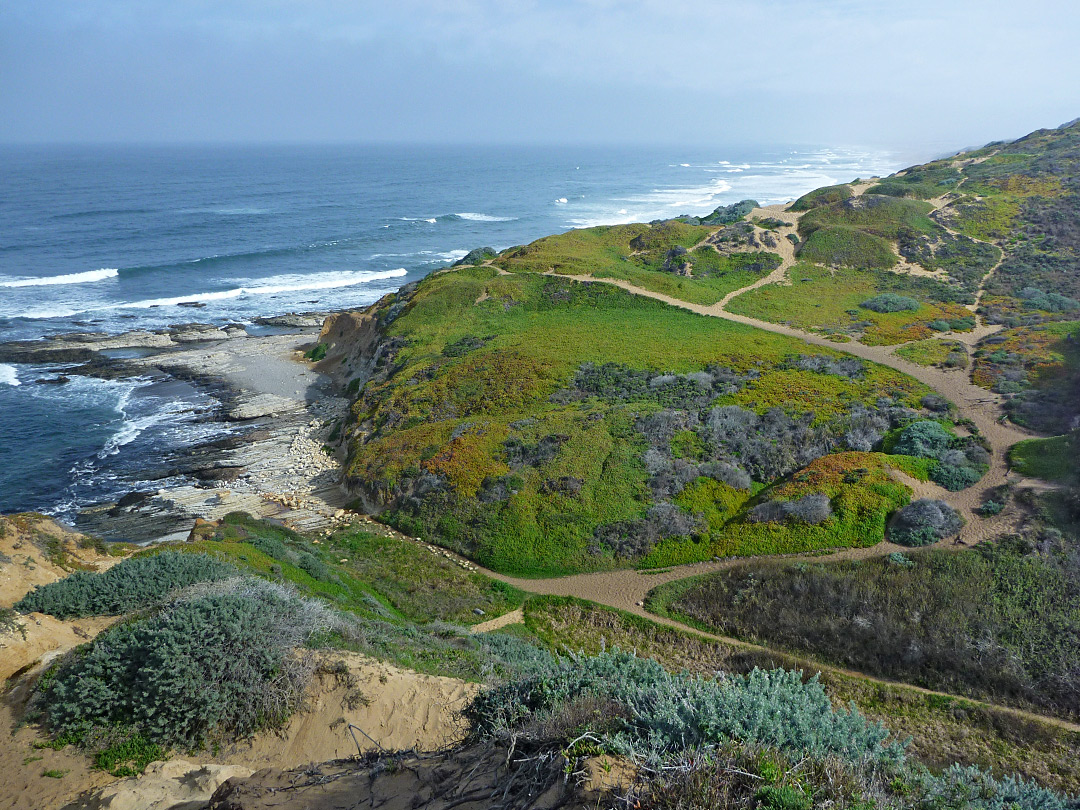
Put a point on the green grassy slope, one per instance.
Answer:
(513, 421)
(669, 257)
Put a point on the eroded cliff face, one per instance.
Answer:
(360, 353)
(350, 339)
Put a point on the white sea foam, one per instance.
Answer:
(561, 201)
(275, 285)
(71, 278)
(8, 375)
(443, 256)
(483, 217)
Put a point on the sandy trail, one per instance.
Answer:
(627, 590)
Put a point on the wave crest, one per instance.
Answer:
(71, 278)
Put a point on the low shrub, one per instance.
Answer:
(973, 788)
(822, 196)
(997, 621)
(135, 583)
(1034, 298)
(847, 247)
(812, 509)
(220, 662)
(727, 214)
(925, 438)
(958, 463)
(924, 522)
(655, 714)
(890, 302)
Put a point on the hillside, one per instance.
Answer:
(773, 508)
(595, 400)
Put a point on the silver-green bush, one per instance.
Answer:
(135, 583)
(218, 662)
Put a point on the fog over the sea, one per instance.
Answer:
(915, 75)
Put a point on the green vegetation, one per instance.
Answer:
(935, 352)
(728, 214)
(359, 572)
(855, 495)
(316, 352)
(661, 257)
(882, 216)
(221, 658)
(1037, 369)
(827, 195)
(1022, 196)
(859, 232)
(422, 586)
(539, 460)
(999, 621)
(847, 247)
(941, 730)
(920, 182)
(660, 714)
(891, 302)
(476, 256)
(132, 584)
(956, 464)
(830, 301)
(1053, 459)
(761, 740)
(217, 665)
(925, 522)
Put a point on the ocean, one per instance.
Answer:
(107, 239)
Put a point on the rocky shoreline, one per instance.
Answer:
(276, 409)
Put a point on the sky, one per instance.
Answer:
(908, 75)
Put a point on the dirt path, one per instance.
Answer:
(627, 590)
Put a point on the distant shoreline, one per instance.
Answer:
(278, 406)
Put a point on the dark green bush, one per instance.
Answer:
(135, 583)
(476, 256)
(890, 302)
(954, 477)
(924, 522)
(924, 438)
(826, 195)
(960, 462)
(215, 665)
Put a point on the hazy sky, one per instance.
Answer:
(902, 74)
